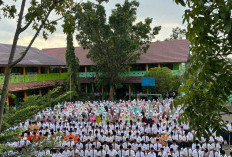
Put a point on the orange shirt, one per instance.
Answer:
(41, 137)
(70, 136)
(35, 138)
(37, 127)
(29, 137)
(164, 139)
(76, 139)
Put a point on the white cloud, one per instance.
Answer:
(56, 40)
(171, 25)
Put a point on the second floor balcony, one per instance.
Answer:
(61, 76)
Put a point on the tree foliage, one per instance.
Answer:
(165, 80)
(72, 62)
(113, 42)
(33, 105)
(37, 17)
(209, 74)
(177, 34)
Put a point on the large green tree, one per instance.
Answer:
(115, 42)
(165, 80)
(37, 17)
(209, 73)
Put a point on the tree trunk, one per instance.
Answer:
(111, 92)
(4, 93)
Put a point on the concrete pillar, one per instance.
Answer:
(24, 95)
(40, 92)
(60, 70)
(48, 70)
(86, 88)
(5, 68)
(147, 68)
(86, 69)
(179, 66)
(24, 70)
(159, 65)
(39, 70)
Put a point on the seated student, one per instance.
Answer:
(66, 152)
(197, 152)
(140, 153)
(194, 145)
(187, 152)
(88, 145)
(151, 153)
(112, 152)
(206, 145)
(57, 154)
(121, 152)
(174, 146)
(96, 143)
(74, 150)
(101, 152)
(84, 152)
(223, 153)
(171, 153)
(79, 145)
(130, 152)
(178, 153)
(93, 152)
(162, 153)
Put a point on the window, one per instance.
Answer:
(138, 67)
(168, 65)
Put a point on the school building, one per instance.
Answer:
(39, 71)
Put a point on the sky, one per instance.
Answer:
(165, 13)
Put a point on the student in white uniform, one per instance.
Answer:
(130, 152)
(93, 152)
(112, 152)
(101, 152)
(223, 153)
(151, 153)
(66, 152)
(140, 153)
(162, 153)
(121, 152)
(174, 146)
(171, 153)
(197, 152)
(187, 152)
(57, 154)
(178, 153)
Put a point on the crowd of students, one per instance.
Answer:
(135, 128)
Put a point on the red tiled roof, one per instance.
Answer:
(174, 51)
(31, 85)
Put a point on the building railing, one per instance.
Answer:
(61, 76)
(34, 78)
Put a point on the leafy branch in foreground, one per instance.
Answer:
(32, 106)
(209, 72)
